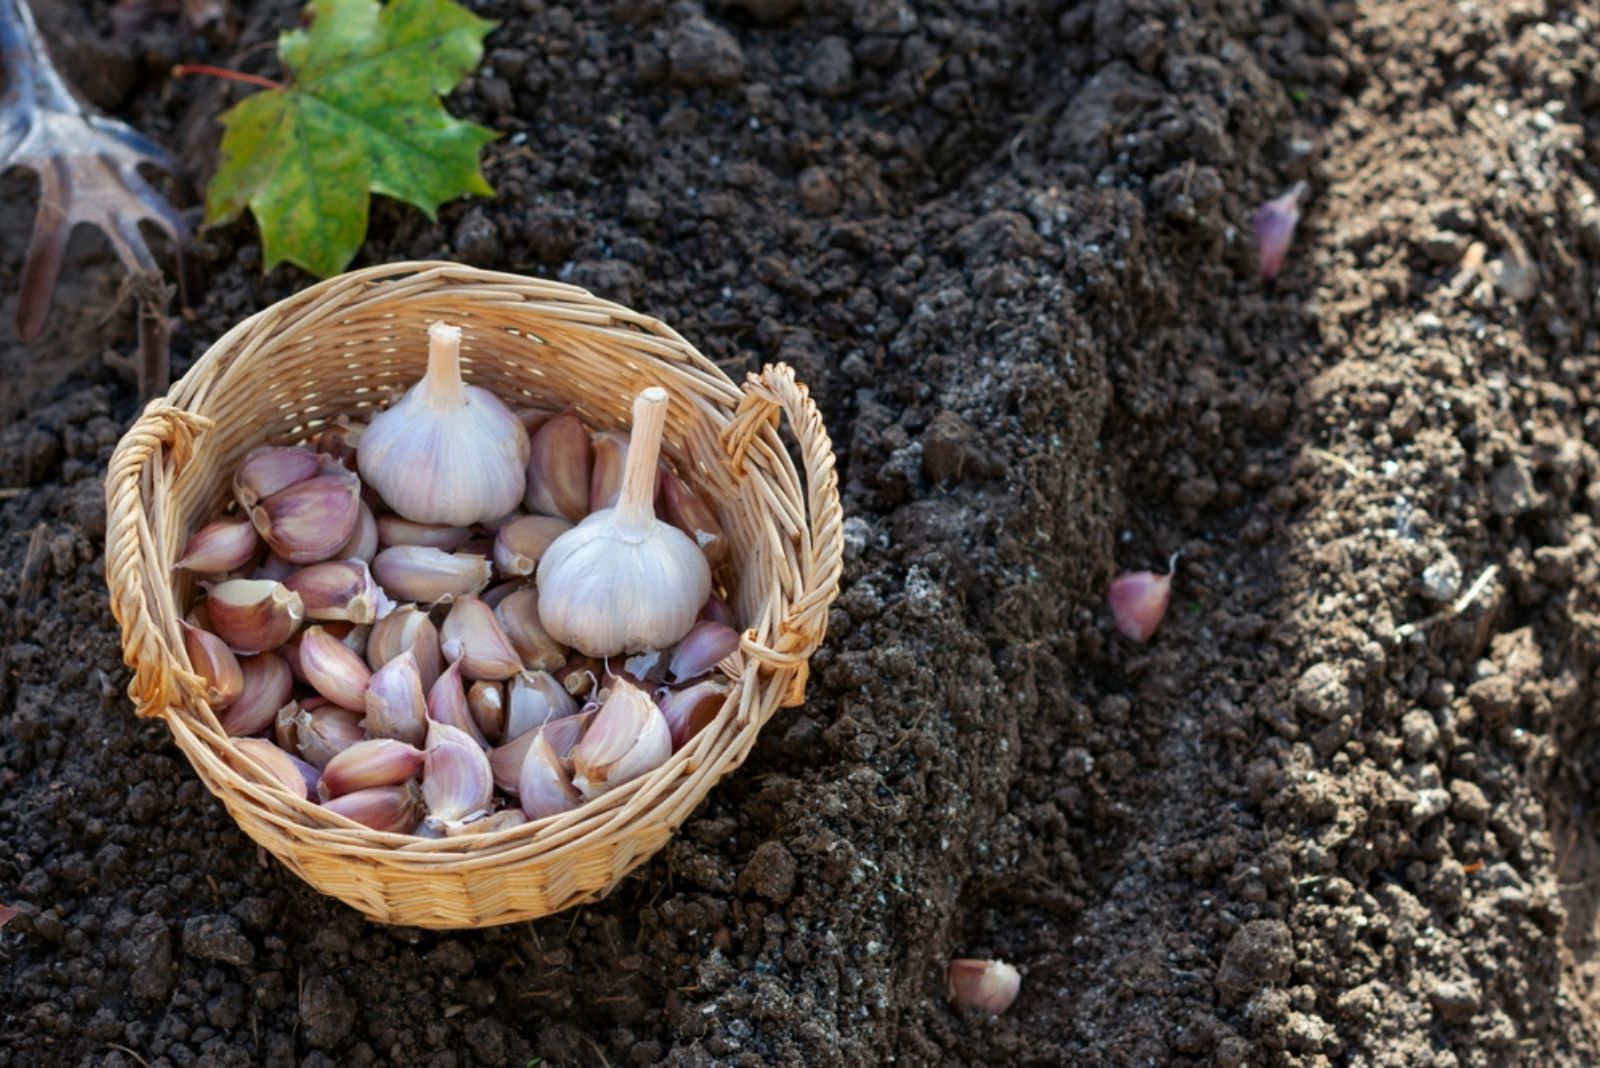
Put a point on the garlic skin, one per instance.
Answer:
(446, 452)
(628, 738)
(1139, 600)
(622, 581)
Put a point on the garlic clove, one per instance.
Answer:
(519, 544)
(336, 590)
(558, 469)
(322, 733)
(543, 786)
(311, 520)
(429, 576)
(395, 809)
(456, 780)
(397, 530)
(407, 628)
(495, 594)
(270, 470)
(447, 704)
(375, 762)
(563, 734)
(487, 701)
(394, 704)
(622, 581)
(580, 675)
(505, 761)
(628, 738)
(702, 649)
(226, 545)
(1139, 600)
(283, 770)
(274, 568)
(518, 616)
(1274, 223)
(340, 440)
(333, 670)
(267, 685)
(690, 710)
(717, 610)
(535, 698)
(199, 615)
(363, 544)
(446, 452)
(688, 511)
(253, 615)
(472, 634)
(990, 985)
(534, 418)
(213, 661)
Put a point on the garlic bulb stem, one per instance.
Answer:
(444, 390)
(635, 513)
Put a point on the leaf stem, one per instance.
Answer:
(184, 70)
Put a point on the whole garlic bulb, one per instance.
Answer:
(446, 452)
(622, 581)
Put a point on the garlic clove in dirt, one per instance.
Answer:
(1274, 224)
(518, 616)
(702, 649)
(487, 702)
(253, 615)
(628, 738)
(267, 686)
(688, 711)
(336, 590)
(429, 576)
(558, 469)
(446, 452)
(226, 545)
(521, 543)
(375, 762)
(394, 704)
(282, 769)
(311, 520)
(456, 780)
(622, 581)
(395, 809)
(322, 733)
(363, 544)
(544, 788)
(270, 470)
(447, 704)
(990, 985)
(214, 662)
(333, 670)
(472, 634)
(688, 511)
(1139, 600)
(534, 698)
(407, 628)
(397, 530)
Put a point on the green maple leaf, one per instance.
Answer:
(360, 116)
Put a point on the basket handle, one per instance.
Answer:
(153, 451)
(767, 395)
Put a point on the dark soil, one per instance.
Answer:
(1336, 812)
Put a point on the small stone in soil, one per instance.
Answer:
(703, 53)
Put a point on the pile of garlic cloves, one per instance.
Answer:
(458, 618)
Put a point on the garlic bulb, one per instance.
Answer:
(446, 452)
(622, 581)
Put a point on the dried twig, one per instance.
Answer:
(1462, 603)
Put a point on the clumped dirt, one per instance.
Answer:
(1340, 810)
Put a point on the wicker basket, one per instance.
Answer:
(347, 345)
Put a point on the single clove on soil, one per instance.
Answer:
(89, 172)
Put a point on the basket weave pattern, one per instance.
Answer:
(344, 347)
